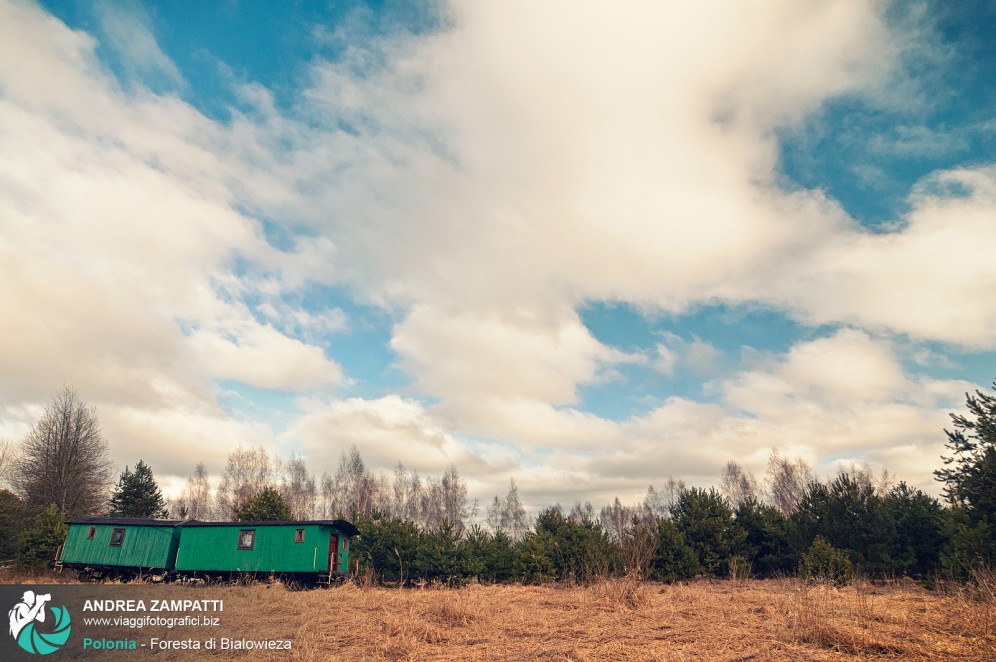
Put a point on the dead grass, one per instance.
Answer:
(620, 619)
(16, 576)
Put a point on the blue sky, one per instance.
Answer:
(585, 247)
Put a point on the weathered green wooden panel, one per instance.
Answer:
(152, 545)
(215, 548)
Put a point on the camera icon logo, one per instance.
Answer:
(25, 617)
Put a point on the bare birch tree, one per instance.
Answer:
(457, 509)
(327, 507)
(616, 519)
(351, 491)
(787, 481)
(64, 460)
(508, 514)
(7, 459)
(383, 494)
(737, 485)
(581, 512)
(431, 504)
(413, 503)
(195, 500)
(400, 493)
(658, 503)
(247, 472)
(298, 488)
(863, 475)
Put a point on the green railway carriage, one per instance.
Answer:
(109, 547)
(307, 549)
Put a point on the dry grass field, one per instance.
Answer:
(611, 620)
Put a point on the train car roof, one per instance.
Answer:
(346, 527)
(124, 521)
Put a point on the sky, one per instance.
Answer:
(581, 245)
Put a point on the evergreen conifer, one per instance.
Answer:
(137, 494)
(267, 506)
(40, 542)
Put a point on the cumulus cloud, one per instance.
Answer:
(173, 440)
(460, 354)
(609, 155)
(627, 156)
(840, 398)
(386, 430)
(701, 358)
(631, 157)
(262, 356)
(847, 367)
(119, 245)
(481, 183)
(834, 400)
(127, 29)
(927, 279)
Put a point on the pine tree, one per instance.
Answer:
(969, 473)
(673, 558)
(137, 494)
(267, 506)
(767, 544)
(11, 523)
(919, 535)
(850, 516)
(970, 478)
(40, 542)
(706, 522)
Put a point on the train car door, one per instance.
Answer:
(333, 552)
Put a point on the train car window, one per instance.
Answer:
(345, 543)
(247, 537)
(117, 537)
(299, 535)
(91, 533)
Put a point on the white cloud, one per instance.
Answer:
(527, 426)
(917, 141)
(173, 440)
(701, 358)
(837, 399)
(506, 354)
(928, 279)
(611, 155)
(128, 31)
(847, 367)
(119, 234)
(262, 356)
(386, 431)
(497, 175)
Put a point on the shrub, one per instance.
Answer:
(673, 559)
(40, 542)
(825, 563)
(534, 563)
(705, 521)
(767, 543)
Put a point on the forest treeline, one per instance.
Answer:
(416, 529)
